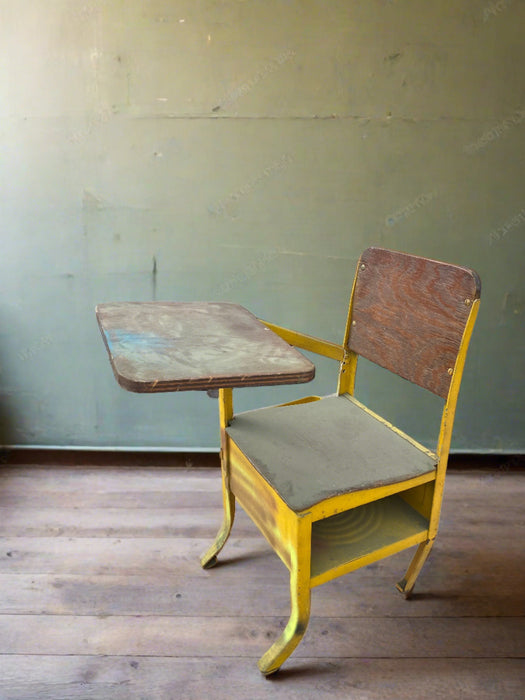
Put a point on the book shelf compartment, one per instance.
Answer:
(343, 539)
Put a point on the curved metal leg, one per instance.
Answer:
(209, 559)
(406, 585)
(294, 631)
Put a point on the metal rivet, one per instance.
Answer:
(353, 323)
(363, 266)
(468, 302)
(450, 370)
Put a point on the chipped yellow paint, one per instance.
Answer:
(348, 369)
(347, 372)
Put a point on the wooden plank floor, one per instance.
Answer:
(102, 596)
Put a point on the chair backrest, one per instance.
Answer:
(408, 314)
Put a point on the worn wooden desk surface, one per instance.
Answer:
(176, 346)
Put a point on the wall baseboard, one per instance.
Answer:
(107, 458)
(188, 460)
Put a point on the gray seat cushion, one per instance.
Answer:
(312, 451)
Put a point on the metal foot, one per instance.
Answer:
(208, 563)
(402, 588)
(270, 674)
(406, 585)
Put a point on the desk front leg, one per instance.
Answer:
(209, 559)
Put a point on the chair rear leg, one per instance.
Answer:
(209, 559)
(406, 585)
(294, 631)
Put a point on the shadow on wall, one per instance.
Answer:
(7, 422)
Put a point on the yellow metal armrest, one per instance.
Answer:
(308, 342)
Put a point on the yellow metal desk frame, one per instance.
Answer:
(332, 485)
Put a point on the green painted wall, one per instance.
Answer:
(252, 148)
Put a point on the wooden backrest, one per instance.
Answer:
(408, 315)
